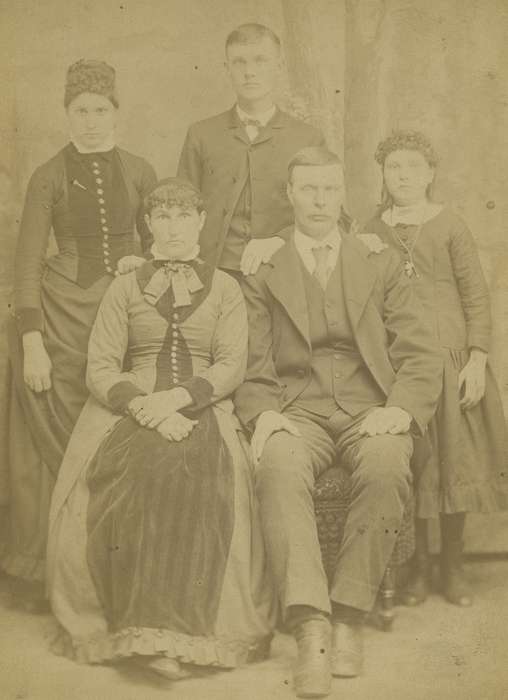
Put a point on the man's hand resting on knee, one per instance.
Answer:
(392, 420)
(269, 422)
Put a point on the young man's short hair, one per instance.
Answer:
(250, 33)
(313, 155)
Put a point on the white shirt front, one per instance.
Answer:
(263, 119)
(304, 245)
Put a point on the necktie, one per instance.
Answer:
(321, 270)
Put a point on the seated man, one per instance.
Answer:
(340, 367)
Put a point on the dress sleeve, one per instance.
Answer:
(32, 245)
(473, 290)
(229, 350)
(147, 182)
(107, 347)
(190, 163)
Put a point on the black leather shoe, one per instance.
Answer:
(456, 589)
(347, 650)
(312, 675)
(417, 589)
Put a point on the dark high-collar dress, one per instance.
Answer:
(92, 203)
(467, 469)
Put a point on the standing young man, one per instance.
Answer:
(238, 159)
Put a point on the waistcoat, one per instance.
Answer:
(339, 376)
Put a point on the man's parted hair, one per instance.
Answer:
(313, 155)
(250, 33)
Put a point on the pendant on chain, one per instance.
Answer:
(410, 269)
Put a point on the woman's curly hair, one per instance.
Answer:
(90, 76)
(174, 192)
(406, 140)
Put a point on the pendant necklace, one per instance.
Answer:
(409, 265)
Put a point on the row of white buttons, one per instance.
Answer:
(174, 344)
(105, 229)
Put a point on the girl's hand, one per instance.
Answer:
(472, 380)
(176, 427)
(36, 363)
(129, 263)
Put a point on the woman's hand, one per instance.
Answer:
(472, 379)
(176, 427)
(129, 263)
(151, 409)
(36, 363)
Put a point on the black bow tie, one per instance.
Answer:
(247, 121)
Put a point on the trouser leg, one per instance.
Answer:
(284, 485)
(381, 480)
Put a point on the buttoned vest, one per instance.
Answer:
(338, 374)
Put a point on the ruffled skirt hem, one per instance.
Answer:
(144, 641)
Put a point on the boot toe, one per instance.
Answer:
(312, 675)
(347, 650)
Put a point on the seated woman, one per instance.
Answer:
(154, 547)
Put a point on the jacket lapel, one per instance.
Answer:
(358, 276)
(278, 121)
(358, 279)
(236, 127)
(285, 282)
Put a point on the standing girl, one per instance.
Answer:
(466, 471)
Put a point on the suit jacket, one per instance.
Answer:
(218, 158)
(399, 351)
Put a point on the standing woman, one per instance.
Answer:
(467, 468)
(90, 194)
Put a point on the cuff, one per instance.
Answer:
(478, 340)
(200, 390)
(29, 319)
(121, 394)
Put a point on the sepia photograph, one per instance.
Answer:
(253, 365)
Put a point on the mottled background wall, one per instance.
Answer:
(357, 68)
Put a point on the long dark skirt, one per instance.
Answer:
(467, 470)
(40, 425)
(160, 520)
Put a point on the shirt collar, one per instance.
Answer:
(412, 215)
(159, 256)
(306, 243)
(262, 118)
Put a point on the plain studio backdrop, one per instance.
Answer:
(355, 68)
